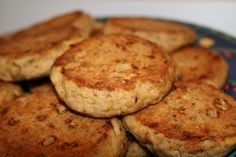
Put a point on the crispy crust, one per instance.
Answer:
(200, 64)
(105, 76)
(30, 53)
(168, 35)
(40, 125)
(9, 92)
(193, 120)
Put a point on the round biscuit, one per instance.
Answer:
(200, 64)
(40, 125)
(30, 53)
(106, 76)
(193, 120)
(168, 35)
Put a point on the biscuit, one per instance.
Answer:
(30, 53)
(193, 120)
(9, 92)
(40, 125)
(200, 64)
(106, 76)
(168, 35)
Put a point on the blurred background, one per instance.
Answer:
(216, 14)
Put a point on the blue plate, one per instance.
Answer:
(221, 43)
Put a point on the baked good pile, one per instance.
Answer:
(134, 87)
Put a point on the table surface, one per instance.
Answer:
(216, 14)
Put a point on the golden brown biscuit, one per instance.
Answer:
(193, 120)
(105, 76)
(40, 125)
(9, 92)
(168, 35)
(200, 64)
(30, 53)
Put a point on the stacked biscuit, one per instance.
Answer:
(129, 74)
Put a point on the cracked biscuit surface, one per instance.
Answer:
(200, 64)
(39, 125)
(30, 53)
(168, 35)
(111, 75)
(193, 120)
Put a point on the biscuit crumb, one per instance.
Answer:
(221, 104)
(49, 140)
(61, 109)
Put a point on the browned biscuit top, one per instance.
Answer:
(41, 37)
(115, 62)
(147, 24)
(200, 64)
(40, 125)
(193, 113)
(169, 36)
